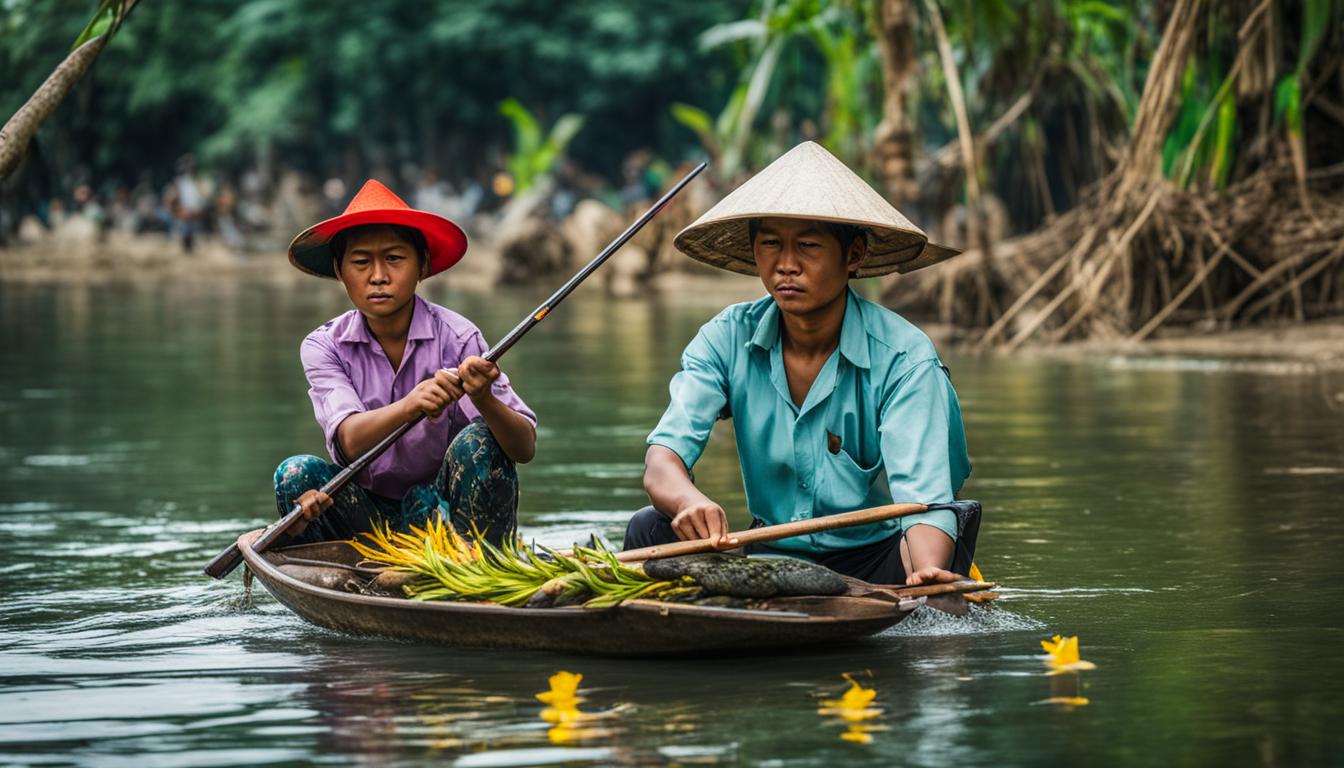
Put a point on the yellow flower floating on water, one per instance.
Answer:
(564, 691)
(853, 708)
(853, 704)
(1063, 655)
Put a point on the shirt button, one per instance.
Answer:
(803, 485)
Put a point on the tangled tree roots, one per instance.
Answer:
(1139, 253)
(1120, 266)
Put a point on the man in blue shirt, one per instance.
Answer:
(837, 403)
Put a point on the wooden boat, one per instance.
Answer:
(322, 583)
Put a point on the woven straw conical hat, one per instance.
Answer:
(808, 182)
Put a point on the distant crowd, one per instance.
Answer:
(261, 208)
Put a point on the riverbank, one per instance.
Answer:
(119, 258)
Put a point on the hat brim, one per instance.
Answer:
(726, 243)
(311, 251)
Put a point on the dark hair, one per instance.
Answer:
(846, 234)
(410, 235)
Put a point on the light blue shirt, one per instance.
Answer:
(882, 392)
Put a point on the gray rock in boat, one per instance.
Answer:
(737, 576)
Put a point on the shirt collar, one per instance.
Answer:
(853, 334)
(422, 324)
(353, 329)
(767, 328)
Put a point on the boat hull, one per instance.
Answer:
(634, 628)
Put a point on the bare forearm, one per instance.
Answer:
(693, 514)
(928, 547)
(361, 431)
(667, 482)
(512, 430)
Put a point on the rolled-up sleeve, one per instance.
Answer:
(502, 389)
(330, 389)
(923, 451)
(699, 391)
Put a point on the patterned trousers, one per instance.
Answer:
(477, 485)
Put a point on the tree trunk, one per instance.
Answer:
(895, 146)
(1142, 161)
(19, 130)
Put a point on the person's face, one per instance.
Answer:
(801, 263)
(380, 272)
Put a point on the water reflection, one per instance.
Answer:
(854, 709)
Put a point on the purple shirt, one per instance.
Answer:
(348, 373)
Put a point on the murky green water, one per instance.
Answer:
(1182, 518)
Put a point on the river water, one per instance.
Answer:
(1179, 516)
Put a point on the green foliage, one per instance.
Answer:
(792, 49)
(533, 156)
(1316, 16)
(701, 124)
(361, 88)
(1190, 146)
(1195, 101)
(1224, 140)
(1288, 102)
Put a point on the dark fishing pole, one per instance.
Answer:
(224, 563)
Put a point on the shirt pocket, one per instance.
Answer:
(847, 484)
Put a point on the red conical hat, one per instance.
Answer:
(376, 204)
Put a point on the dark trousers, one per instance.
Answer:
(476, 487)
(876, 563)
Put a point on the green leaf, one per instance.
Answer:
(564, 131)
(107, 12)
(525, 127)
(698, 120)
(731, 32)
(1220, 164)
(1288, 102)
(1315, 23)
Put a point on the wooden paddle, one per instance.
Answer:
(226, 561)
(944, 596)
(774, 532)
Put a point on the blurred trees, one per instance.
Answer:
(356, 87)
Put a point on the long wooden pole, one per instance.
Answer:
(226, 561)
(775, 532)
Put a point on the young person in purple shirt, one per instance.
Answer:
(391, 358)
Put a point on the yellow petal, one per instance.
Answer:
(1051, 646)
(1064, 655)
(564, 689)
(857, 697)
